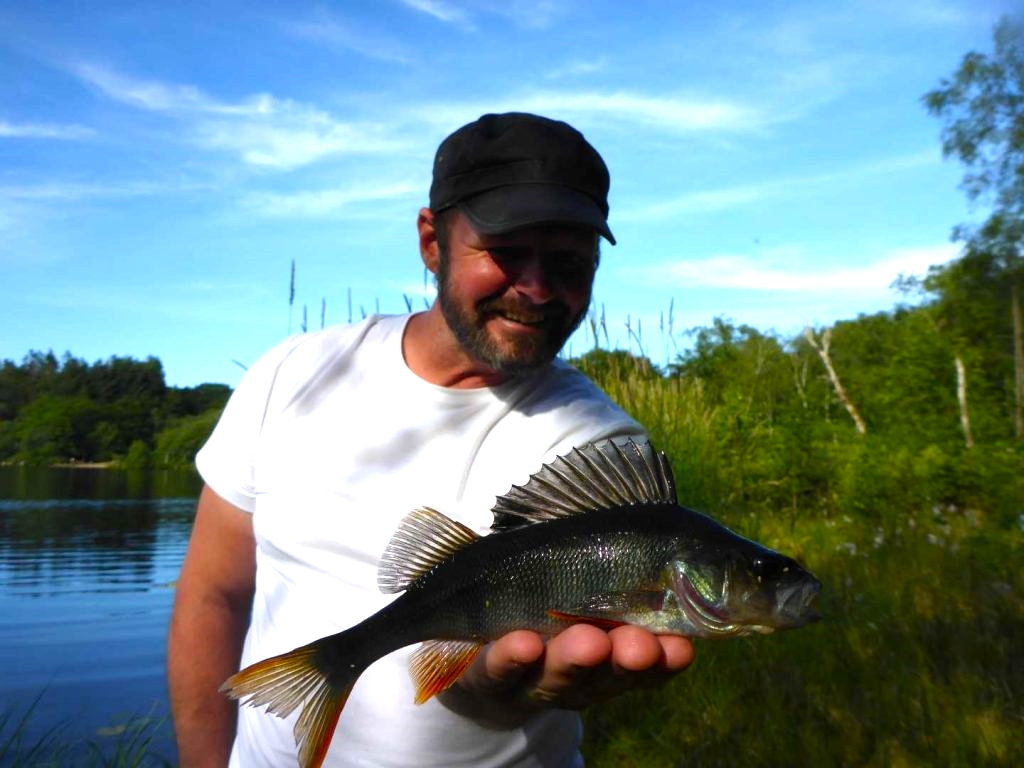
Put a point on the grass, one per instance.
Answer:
(916, 662)
(124, 744)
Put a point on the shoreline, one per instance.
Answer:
(66, 465)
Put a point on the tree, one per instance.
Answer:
(1000, 241)
(982, 106)
(983, 109)
(822, 347)
(601, 364)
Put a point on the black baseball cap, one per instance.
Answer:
(515, 170)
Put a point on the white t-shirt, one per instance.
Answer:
(329, 441)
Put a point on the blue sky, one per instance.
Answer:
(162, 164)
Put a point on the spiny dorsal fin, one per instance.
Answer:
(597, 476)
(424, 538)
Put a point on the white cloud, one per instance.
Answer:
(527, 14)
(713, 200)
(291, 140)
(440, 10)
(44, 131)
(577, 68)
(332, 30)
(668, 114)
(768, 272)
(144, 94)
(324, 202)
(671, 114)
(76, 190)
(261, 129)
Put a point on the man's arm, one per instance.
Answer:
(211, 613)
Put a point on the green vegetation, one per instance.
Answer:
(916, 538)
(886, 452)
(119, 410)
(126, 744)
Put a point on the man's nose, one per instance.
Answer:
(533, 281)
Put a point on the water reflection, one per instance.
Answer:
(46, 483)
(88, 561)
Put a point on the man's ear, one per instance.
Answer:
(429, 249)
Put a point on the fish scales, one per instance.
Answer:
(514, 579)
(616, 548)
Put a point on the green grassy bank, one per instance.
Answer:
(918, 658)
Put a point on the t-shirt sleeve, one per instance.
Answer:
(226, 461)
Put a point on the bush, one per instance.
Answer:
(178, 444)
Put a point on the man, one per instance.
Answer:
(333, 437)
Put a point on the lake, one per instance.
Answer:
(88, 561)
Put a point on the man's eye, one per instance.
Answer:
(572, 265)
(506, 255)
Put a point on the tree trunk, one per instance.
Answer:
(961, 396)
(1018, 361)
(822, 350)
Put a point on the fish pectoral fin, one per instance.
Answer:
(437, 664)
(613, 609)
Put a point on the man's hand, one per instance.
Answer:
(519, 674)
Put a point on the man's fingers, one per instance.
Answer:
(678, 652)
(578, 666)
(634, 649)
(503, 664)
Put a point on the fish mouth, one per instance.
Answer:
(795, 603)
(701, 613)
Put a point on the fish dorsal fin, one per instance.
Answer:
(424, 538)
(597, 476)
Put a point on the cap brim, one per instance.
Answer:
(509, 208)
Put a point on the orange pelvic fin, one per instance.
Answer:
(289, 681)
(437, 664)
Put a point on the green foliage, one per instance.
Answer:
(54, 411)
(914, 663)
(177, 445)
(137, 456)
(982, 106)
(915, 536)
(602, 364)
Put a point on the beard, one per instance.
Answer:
(511, 356)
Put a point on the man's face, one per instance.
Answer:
(512, 300)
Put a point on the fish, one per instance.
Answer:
(596, 536)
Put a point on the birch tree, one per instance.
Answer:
(822, 347)
(982, 108)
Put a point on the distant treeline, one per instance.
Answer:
(118, 410)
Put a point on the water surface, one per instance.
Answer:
(88, 560)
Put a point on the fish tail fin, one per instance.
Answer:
(301, 678)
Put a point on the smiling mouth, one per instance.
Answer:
(529, 321)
